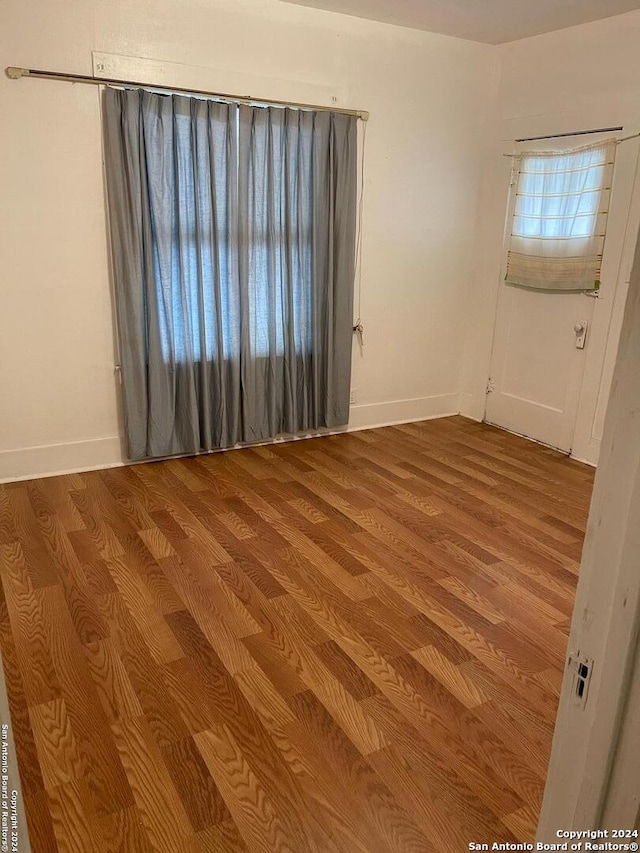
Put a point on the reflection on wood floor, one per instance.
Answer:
(353, 643)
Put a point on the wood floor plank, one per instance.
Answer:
(383, 824)
(73, 824)
(223, 836)
(58, 753)
(195, 787)
(124, 830)
(161, 810)
(450, 676)
(251, 809)
(352, 644)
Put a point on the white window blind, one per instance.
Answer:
(560, 218)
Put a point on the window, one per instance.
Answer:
(559, 219)
(200, 282)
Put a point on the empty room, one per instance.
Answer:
(319, 453)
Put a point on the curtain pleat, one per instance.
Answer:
(233, 240)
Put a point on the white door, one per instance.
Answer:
(536, 364)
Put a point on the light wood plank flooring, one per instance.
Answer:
(347, 645)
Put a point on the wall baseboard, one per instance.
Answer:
(49, 460)
(29, 463)
(402, 411)
(471, 406)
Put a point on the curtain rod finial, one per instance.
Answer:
(14, 73)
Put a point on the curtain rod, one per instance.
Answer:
(605, 130)
(15, 73)
(571, 133)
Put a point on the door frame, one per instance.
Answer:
(622, 234)
(591, 783)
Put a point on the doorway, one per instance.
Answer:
(547, 365)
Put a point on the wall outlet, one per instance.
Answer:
(352, 397)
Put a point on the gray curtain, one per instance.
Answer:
(233, 241)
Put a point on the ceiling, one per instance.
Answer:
(490, 21)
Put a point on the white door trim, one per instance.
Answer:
(607, 317)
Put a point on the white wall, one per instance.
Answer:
(581, 78)
(429, 98)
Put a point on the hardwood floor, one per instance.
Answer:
(352, 644)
